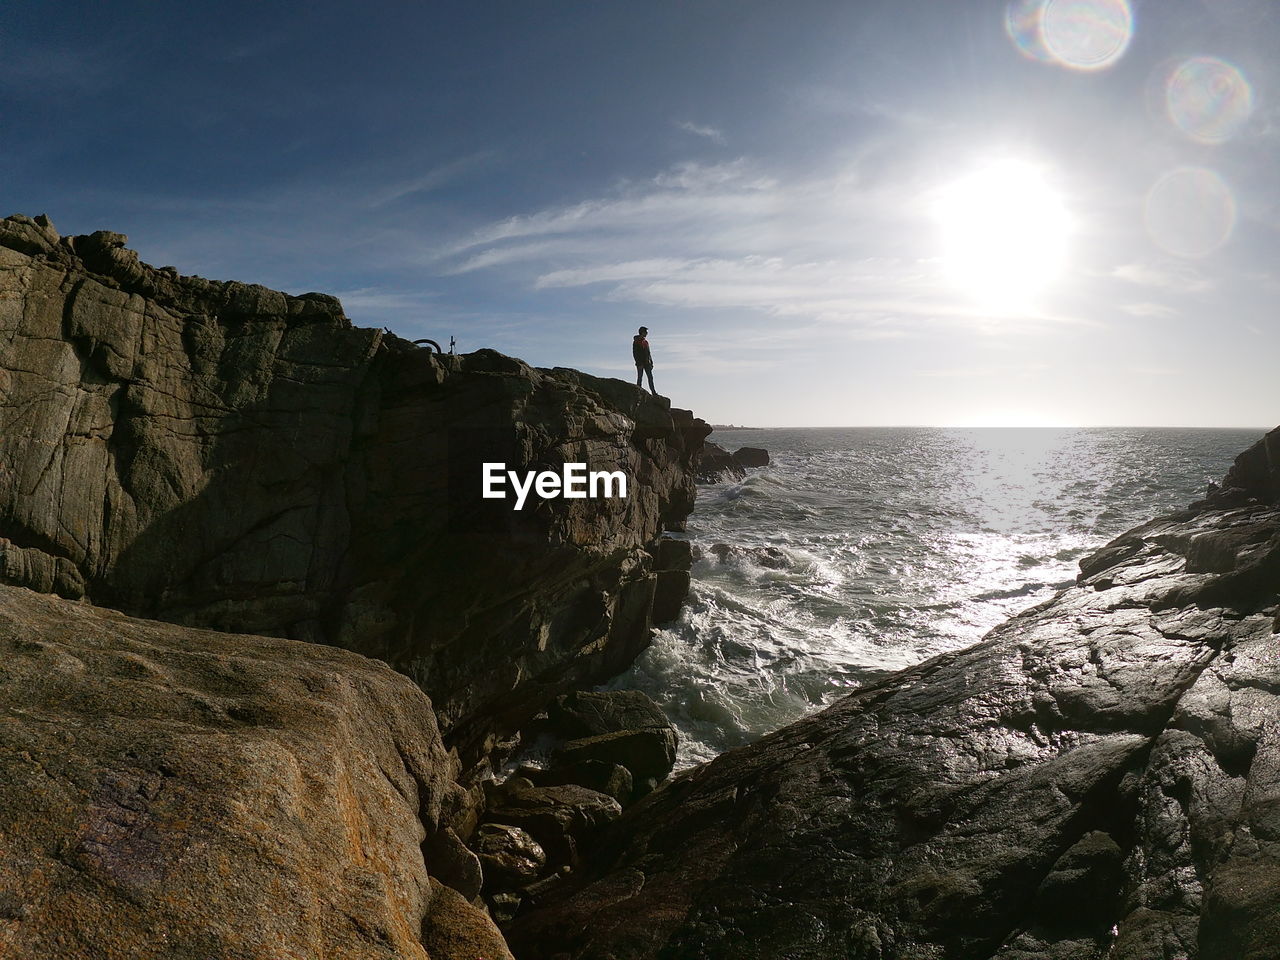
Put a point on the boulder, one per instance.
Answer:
(670, 591)
(622, 727)
(561, 819)
(674, 554)
(714, 463)
(648, 754)
(603, 776)
(175, 792)
(509, 855)
(751, 457)
(590, 713)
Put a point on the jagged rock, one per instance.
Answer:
(503, 906)
(674, 560)
(669, 594)
(674, 554)
(1257, 471)
(751, 457)
(454, 863)
(623, 727)
(454, 930)
(592, 713)
(561, 819)
(714, 463)
(509, 855)
(647, 754)
(173, 792)
(603, 776)
(1109, 760)
(227, 456)
(771, 558)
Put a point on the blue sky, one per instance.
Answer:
(796, 198)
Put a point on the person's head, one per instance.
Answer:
(644, 331)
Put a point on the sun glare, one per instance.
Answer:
(1004, 231)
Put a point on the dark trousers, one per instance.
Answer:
(640, 372)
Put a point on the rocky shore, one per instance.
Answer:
(264, 646)
(1098, 778)
(225, 457)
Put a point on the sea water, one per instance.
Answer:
(862, 551)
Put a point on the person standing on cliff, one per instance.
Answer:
(644, 359)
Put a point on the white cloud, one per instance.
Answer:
(375, 300)
(1148, 309)
(730, 235)
(700, 130)
(829, 257)
(1163, 275)
(427, 182)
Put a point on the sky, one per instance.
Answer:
(966, 213)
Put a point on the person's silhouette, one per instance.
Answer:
(643, 357)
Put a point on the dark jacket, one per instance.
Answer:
(640, 350)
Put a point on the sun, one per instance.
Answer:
(1004, 232)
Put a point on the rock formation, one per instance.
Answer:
(226, 456)
(1099, 777)
(174, 793)
(714, 463)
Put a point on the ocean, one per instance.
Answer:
(862, 551)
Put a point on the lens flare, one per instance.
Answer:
(1078, 34)
(1190, 212)
(1024, 22)
(1208, 99)
(1087, 34)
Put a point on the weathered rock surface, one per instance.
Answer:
(167, 792)
(674, 560)
(561, 818)
(509, 855)
(751, 457)
(1100, 777)
(715, 463)
(613, 727)
(226, 456)
(603, 776)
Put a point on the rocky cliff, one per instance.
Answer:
(226, 456)
(1100, 777)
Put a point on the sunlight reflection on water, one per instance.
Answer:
(890, 546)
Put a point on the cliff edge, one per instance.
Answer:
(226, 456)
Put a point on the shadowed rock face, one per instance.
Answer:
(226, 456)
(1100, 777)
(176, 793)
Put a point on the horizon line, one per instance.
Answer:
(963, 426)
